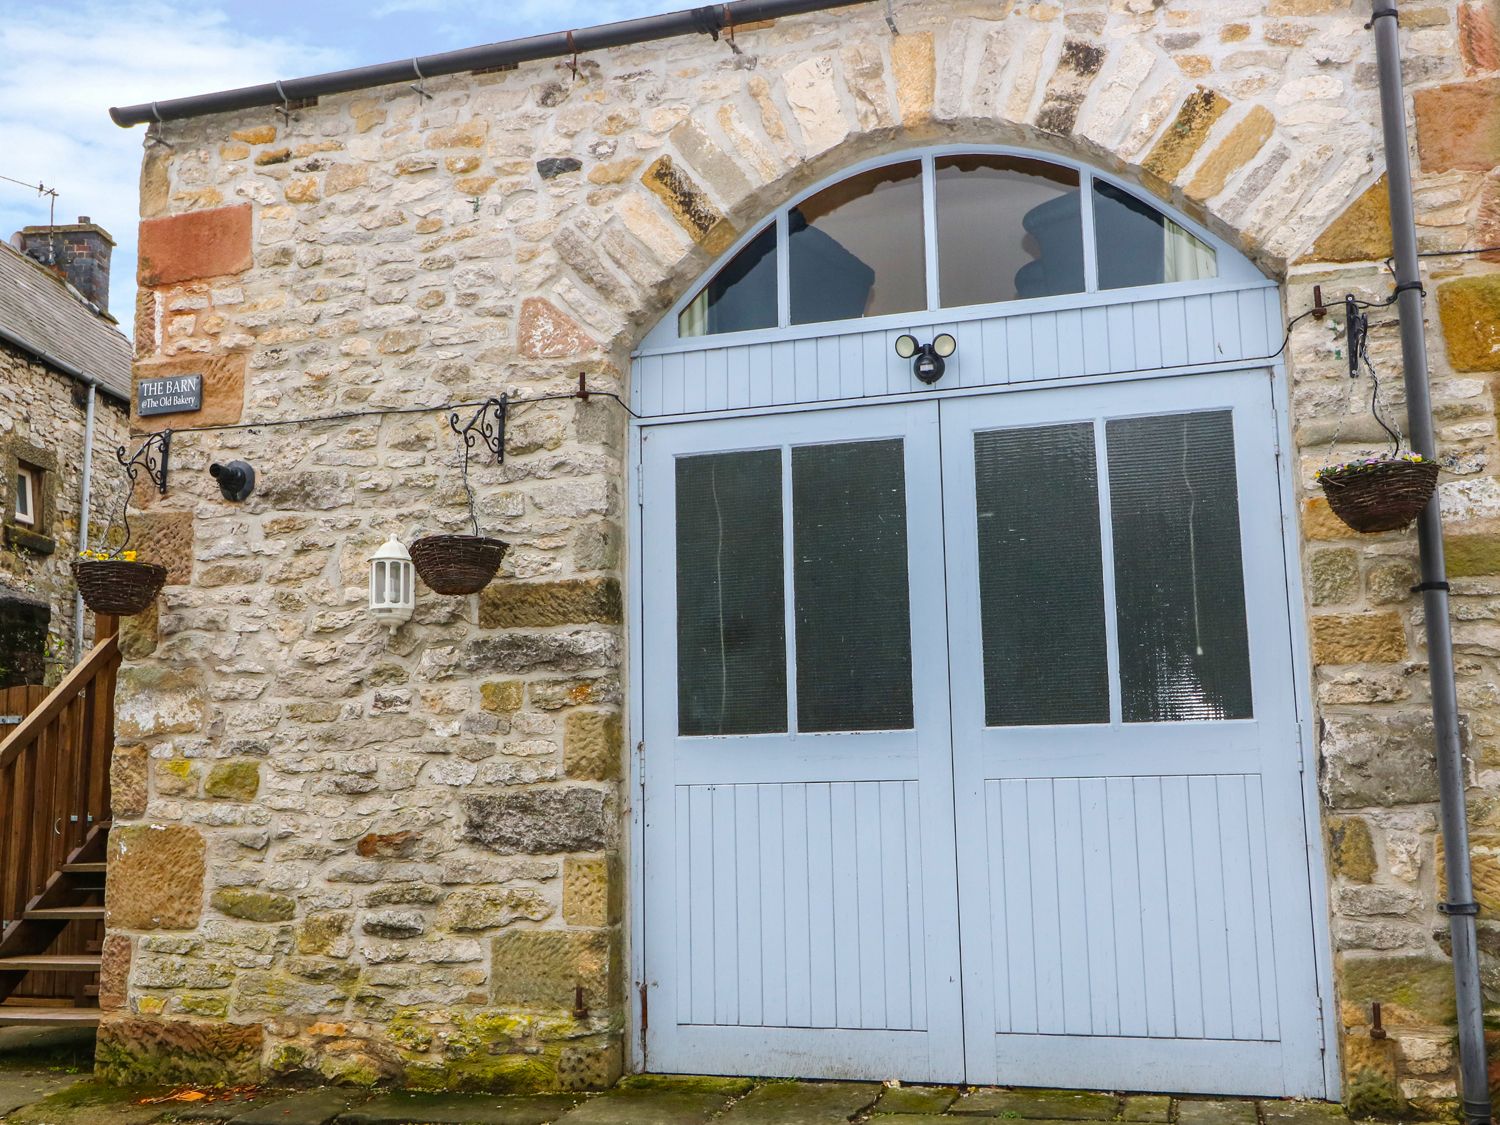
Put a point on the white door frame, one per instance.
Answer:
(1300, 658)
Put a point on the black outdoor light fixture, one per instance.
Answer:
(927, 359)
(236, 479)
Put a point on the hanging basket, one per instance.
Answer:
(1384, 494)
(118, 587)
(457, 564)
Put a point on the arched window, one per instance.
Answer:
(942, 231)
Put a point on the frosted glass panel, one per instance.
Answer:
(1179, 582)
(1041, 586)
(852, 603)
(731, 617)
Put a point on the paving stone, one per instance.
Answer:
(88, 1103)
(24, 1087)
(636, 1106)
(1215, 1113)
(1038, 1105)
(803, 1103)
(687, 1083)
(1302, 1113)
(916, 1099)
(1147, 1107)
(461, 1109)
(312, 1107)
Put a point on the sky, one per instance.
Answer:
(68, 61)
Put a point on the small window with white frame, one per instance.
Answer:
(28, 498)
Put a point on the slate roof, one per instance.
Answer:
(49, 318)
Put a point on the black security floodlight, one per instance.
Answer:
(927, 359)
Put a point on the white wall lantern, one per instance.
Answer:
(392, 584)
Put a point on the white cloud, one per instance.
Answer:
(65, 65)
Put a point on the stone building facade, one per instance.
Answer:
(43, 415)
(406, 858)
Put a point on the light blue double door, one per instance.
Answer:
(970, 746)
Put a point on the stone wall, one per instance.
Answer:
(400, 857)
(42, 417)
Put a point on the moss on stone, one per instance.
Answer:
(253, 906)
(688, 1083)
(1372, 1094)
(233, 781)
(495, 1074)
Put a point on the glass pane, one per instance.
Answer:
(1007, 228)
(1138, 245)
(857, 248)
(1041, 576)
(731, 615)
(741, 296)
(1179, 585)
(853, 608)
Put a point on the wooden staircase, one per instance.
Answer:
(54, 809)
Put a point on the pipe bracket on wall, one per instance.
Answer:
(153, 457)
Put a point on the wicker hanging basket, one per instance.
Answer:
(457, 564)
(118, 587)
(1382, 495)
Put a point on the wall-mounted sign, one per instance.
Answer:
(172, 394)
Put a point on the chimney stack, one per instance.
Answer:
(77, 251)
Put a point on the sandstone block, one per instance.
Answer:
(1319, 522)
(502, 696)
(1469, 308)
(223, 387)
(387, 845)
(591, 1066)
(150, 1052)
(345, 177)
(591, 891)
(155, 878)
(394, 923)
(1389, 581)
(546, 332)
(320, 933)
(1357, 638)
(543, 968)
(555, 652)
(129, 769)
(1361, 233)
(196, 244)
(139, 634)
(543, 821)
(255, 134)
(303, 189)
(233, 781)
(1484, 860)
(1380, 760)
(154, 700)
(166, 538)
(1458, 126)
(914, 67)
(1333, 575)
(689, 205)
(592, 745)
(467, 134)
(1185, 136)
(253, 906)
(489, 908)
(114, 971)
(1411, 990)
(1471, 556)
(573, 601)
(1351, 849)
(1237, 149)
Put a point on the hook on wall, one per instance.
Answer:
(153, 457)
(487, 425)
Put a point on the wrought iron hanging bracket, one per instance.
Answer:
(153, 458)
(487, 425)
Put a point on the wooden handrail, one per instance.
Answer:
(106, 652)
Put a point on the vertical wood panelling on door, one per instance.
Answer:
(1131, 906)
(800, 905)
(1145, 335)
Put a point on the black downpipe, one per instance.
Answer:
(710, 20)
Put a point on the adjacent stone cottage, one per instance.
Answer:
(56, 340)
(530, 838)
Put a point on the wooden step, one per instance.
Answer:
(65, 914)
(51, 963)
(48, 1017)
(85, 868)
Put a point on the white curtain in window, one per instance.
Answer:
(1187, 257)
(694, 319)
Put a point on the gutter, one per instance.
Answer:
(1458, 905)
(62, 365)
(710, 20)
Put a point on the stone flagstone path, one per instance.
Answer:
(638, 1100)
